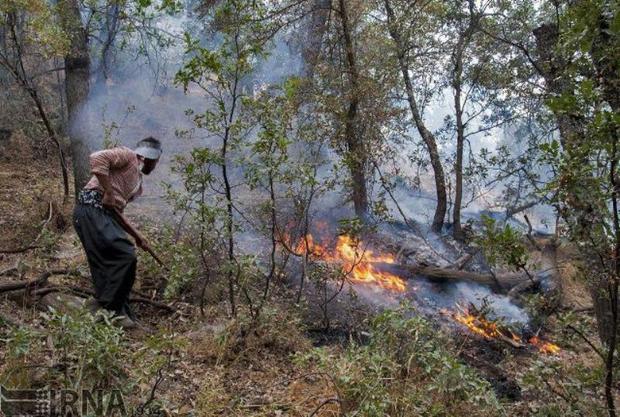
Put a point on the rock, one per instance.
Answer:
(63, 303)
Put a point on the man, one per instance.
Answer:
(99, 222)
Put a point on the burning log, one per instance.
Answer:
(506, 281)
(366, 266)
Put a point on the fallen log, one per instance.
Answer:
(28, 285)
(506, 281)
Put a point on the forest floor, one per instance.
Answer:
(213, 367)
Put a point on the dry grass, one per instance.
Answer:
(27, 186)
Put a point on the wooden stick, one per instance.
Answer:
(128, 227)
(10, 270)
(464, 260)
(529, 233)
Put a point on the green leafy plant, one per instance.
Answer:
(89, 348)
(405, 369)
(503, 246)
(76, 350)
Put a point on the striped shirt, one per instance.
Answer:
(124, 170)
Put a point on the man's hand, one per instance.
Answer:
(142, 243)
(108, 200)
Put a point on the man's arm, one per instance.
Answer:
(140, 240)
(131, 230)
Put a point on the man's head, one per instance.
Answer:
(149, 150)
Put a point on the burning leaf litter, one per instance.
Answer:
(479, 324)
(356, 259)
(544, 347)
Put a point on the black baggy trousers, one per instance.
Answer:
(111, 257)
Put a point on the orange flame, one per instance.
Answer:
(356, 261)
(544, 347)
(479, 325)
(490, 330)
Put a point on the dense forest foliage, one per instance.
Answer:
(364, 207)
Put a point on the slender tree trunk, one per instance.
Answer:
(313, 36)
(77, 77)
(459, 108)
(613, 289)
(230, 225)
(605, 51)
(356, 155)
(457, 85)
(21, 77)
(4, 74)
(109, 34)
(427, 135)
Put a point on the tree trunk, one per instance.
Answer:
(18, 71)
(457, 85)
(571, 126)
(356, 155)
(77, 77)
(605, 49)
(313, 34)
(503, 282)
(427, 135)
(464, 40)
(109, 35)
(4, 74)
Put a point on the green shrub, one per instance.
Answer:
(74, 350)
(90, 347)
(405, 369)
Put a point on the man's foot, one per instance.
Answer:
(135, 327)
(127, 311)
(126, 323)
